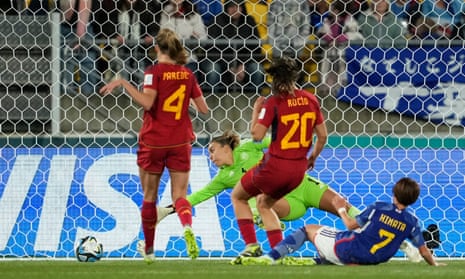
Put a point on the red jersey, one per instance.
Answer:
(292, 120)
(168, 123)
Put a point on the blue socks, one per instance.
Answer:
(289, 244)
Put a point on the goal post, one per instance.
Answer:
(68, 159)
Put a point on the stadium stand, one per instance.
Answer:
(25, 73)
(68, 164)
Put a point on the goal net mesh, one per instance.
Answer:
(393, 108)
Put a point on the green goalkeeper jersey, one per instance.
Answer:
(307, 195)
(246, 155)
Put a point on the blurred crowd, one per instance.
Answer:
(232, 41)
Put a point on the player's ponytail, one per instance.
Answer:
(169, 43)
(285, 73)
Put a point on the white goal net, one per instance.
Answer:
(394, 107)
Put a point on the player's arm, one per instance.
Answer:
(257, 130)
(216, 185)
(426, 254)
(210, 190)
(200, 104)
(321, 139)
(197, 100)
(145, 99)
(349, 222)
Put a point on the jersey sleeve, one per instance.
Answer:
(267, 113)
(416, 236)
(364, 216)
(150, 80)
(215, 186)
(265, 143)
(252, 145)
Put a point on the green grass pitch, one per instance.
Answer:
(219, 269)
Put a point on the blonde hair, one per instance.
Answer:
(169, 44)
(228, 138)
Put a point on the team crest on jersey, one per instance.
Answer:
(262, 113)
(148, 79)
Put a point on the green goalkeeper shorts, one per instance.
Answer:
(307, 194)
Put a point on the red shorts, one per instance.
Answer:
(274, 176)
(155, 160)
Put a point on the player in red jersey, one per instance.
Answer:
(295, 117)
(166, 135)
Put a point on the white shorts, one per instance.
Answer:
(324, 241)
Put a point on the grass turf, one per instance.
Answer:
(204, 268)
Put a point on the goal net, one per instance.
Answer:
(393, 108)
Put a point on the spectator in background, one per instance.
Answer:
(208, 9)
(106, 29)
(289, 30)
(319, 10)
(38, 7)
(237, 61)
(338, 28)
(78, 48)
(427, 29)
(446, 14)
(380, 26)
(358, 7)
(288, 26)
(407, 11)
(182, 17)
(132, 24)
(9, 7)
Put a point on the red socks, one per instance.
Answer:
(184, 210)
(149, 221)
(247, 229)
(274, 237)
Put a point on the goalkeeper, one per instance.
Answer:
(233, 159)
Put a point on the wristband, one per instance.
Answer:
(340, 210)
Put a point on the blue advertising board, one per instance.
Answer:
(426, 82)
(50, 197)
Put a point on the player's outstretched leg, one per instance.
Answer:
(149, 256)
(412, 253)
(163, 212)
(191, 243)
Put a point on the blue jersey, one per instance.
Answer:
(383, 228)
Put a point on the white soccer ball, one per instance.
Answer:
(89, 249)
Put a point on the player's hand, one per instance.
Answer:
(108, 88)
(311, 162)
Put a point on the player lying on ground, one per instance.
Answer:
(233, 159)
(373, 236)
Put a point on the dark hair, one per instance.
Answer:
(406, 191)
(285, 72)
(228, 138)
(187, 7)
(229, 3)
(169, 44)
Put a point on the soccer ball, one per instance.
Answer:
(89, 249)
